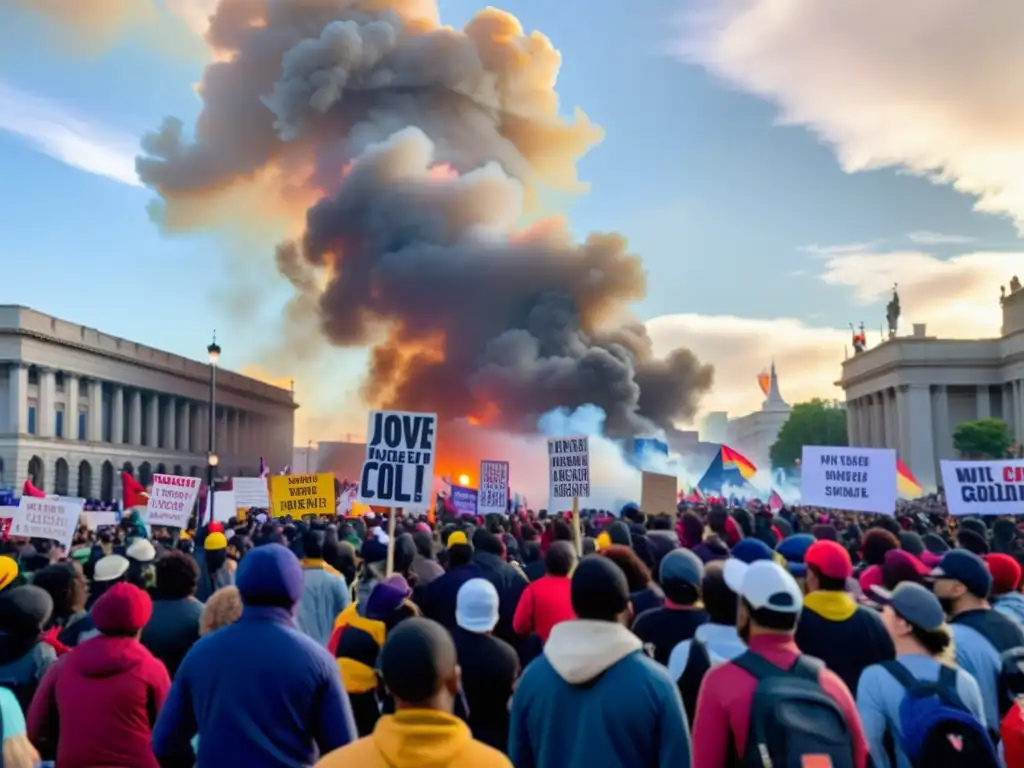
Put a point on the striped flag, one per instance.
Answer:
(264, 469)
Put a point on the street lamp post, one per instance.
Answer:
(213, 350)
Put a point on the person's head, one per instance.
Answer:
(485, 541)
(222, 608)
(680, 573)
(561, 531)
(638, 575)
(875, 543)
(828, 566)
(476, 606)
(8, 571)
(110, 569)
(719, 601)
(460, 551)
(599, 591)
(270, 577)
(914, 619)
(962, 581)
(141, 551)
(24, 612)
(1006, 574)
(122, 611)
(238, 545)
(215, 547)
(419, 666)
(902, 566)
(560, 559)
(424, 544)
(770, 600)
(177, 576)
(405, 553)
(313, 544)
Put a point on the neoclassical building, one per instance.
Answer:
(77, 405)
(754, 435)
(910, 393)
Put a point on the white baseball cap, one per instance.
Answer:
(764, 584)
(110, 568)
(476, 606)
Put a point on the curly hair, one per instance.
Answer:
(177, 576)
(638, 575)
(224, 607)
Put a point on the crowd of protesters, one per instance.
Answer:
(726, 636)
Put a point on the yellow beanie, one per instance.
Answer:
(215, 540)
(8, 571)
(457, 537)
(603, 541)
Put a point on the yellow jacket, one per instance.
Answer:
(417, 738)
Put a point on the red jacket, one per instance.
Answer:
(723, 705)
(98, 704)
(546, 602)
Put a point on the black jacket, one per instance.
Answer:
(510, 584)
(172, 630)
(490, 668)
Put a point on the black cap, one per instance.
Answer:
(599, 589)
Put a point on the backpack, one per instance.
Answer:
(1005, 636)
(937, 728)
(793, 722)
(697, 665)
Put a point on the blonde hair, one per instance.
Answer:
(224, 607)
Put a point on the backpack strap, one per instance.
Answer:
(944, 687)
(760, 668)
(904, 677)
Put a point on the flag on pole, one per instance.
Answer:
(264, 469)
(286, 470)
(775, 503)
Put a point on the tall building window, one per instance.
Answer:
(58, 422)
(33, 375)
(31, 419)
(82, 419)
(58, 381)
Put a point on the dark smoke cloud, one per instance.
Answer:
(421, 148)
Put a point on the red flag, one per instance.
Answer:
(775, 503)
(31, 491)
(134, 494)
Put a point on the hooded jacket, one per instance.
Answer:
(1011, 605)
(324, 595)
(417, 738)
(98, 705)
(597, 671)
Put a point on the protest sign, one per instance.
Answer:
(569, 467)
(51, 518)
(171, 499)
(855, 479)
(5, 528)
(464, 500)
(658, 493)
(399, 466)
(298, 495)
(224, 506)
(251, 492)
(984, 487)
(493, 496)
(100, 519)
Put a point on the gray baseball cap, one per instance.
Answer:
(681, 565)
(914, 603)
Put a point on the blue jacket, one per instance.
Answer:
(259, 693)
(595, 673)
(324, 595)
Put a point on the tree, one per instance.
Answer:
(983, 439)
(815, 423)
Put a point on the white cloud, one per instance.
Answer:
(63, 135)
(927, 237)
(956, 298)
(930, 85)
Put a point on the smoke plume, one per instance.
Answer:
(415, 152)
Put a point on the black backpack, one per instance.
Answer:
(697, 665)
(792, 718)
(1006, 637)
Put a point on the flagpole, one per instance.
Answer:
(391, 539)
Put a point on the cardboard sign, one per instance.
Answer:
(251, 492)
(224, 506)
(658, 493)
(171, 499)
(51, 518)
(298, 495)
(569, 467)
(399, 466)
(464, 500)
(493, 496)
(856, 479)
(100, 519)
(984, 487)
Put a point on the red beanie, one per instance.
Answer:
(123, 609)
(215, 527)
(1006, 573)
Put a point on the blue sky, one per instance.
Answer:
(736, 215)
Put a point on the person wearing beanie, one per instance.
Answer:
(972, 541)
(900, 566)
(547, 601)
(662, 629)
(174, 627)
(324, 591)
(490, 666)
(489, 556)
(424, 565)
(793, 550)
(832, 627)
(268, 694)
(1006, 583)
(962, 583)
(438, 599)
(98, 705)
(8, 571)
(24, 654)
(593, 698)
(420, 671)
(216, 569)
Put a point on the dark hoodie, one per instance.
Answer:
(98, 705)
(24, 656)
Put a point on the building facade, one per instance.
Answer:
(78, 405)
(911, 393)
(753, 435)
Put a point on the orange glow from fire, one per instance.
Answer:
(463, 479)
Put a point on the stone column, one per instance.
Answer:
(117, 416)
(920, 449)
(71, 407)
(44, 427)
(135, 417)
(185, 433)
(95, 420)
(153, 420)
(851, 421)
(878, 420)
(1018, 409)
(983, 398)
(942, 432)
(864, 420)
(17, 415)
(903, 417)
(170, 425)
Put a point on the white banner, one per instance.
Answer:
(856, 479)
(99, 519)
(399, 466)
(984, 487)
(251, 492)
(171, 499)
(51, 518)
(569, 467)
(493, 496)
(224, 505)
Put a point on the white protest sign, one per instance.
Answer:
(855, 479)
(493, 495)
(569, 467)
(171, 499)
(399, 466)
(99, 519)
(251, 492)
(224, 506)
(51, 518)
(984, 487)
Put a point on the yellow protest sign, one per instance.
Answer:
(298, 495)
